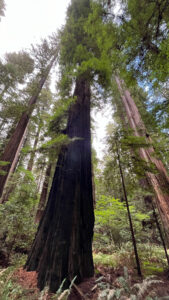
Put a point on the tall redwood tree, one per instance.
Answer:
(63, 244)
(159, 181)
(62, 248)
(13, 147)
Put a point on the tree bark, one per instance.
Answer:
(160, 181)
(62, 248)
(5, 194)
(12, 149)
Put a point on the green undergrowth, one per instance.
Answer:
(152, 259)
(112, 260)
(9, 288)
(13, 291)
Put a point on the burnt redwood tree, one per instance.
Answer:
(62, 248)
(63, 244)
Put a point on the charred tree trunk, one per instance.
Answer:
(93, 188)
(12, 149)
(63, 244)
(43, 195)
(160, 181)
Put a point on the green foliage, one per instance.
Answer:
(57, 122)
(111, 222)
(15, 69)
(17, 214)
(3, 173)
(10, 289)
(60, 293)
(144, 30)
(26, 149)
(109, 214)
(73, 37)
(43, 52)
(152, 258)
(60, 140)
(20, 63)
(86, 44)
(4, 163)
(134, 141)
(123, 285)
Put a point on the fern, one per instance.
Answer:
(145, 286)
(44, 294)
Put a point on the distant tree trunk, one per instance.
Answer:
(40, 179)
(62, 248)
(43, 196)
(128, 212)
(32, 156)
(160, 181)
(160, 233)
(12, 149)
(5, 193)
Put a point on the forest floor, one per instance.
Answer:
(107, 284)
(115, 278)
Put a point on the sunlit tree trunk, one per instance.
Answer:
(160, 181)
(32, 156)
(12, 149)
(43, 196)
(62, 248)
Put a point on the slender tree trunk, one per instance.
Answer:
(160, 233)
(62, 248)
(40, 179)
(43, 196)
(129, 215)
(13, 147)
(32, 156)
(160, 181)
(5, 194)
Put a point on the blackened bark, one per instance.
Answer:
(43, 196)
(63, 244)
(11, 150)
